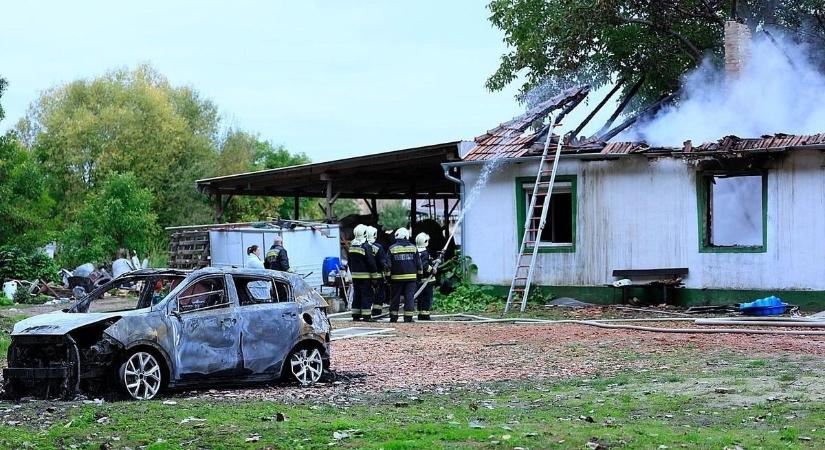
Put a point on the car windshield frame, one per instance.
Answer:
(83, 304)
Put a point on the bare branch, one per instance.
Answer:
(692, 50)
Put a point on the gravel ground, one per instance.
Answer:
(438, 357)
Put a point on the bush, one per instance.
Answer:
(17, 264)
(462, 295)
(466, 298)
(23, 297)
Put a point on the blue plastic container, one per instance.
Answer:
(331, 264)
(768, 306)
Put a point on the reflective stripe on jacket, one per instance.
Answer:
(361, 261)
(381, 264)
(276, 259)
(404, 261)
(426, 263)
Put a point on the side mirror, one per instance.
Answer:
(175, 313)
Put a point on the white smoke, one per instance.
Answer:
(778, 91)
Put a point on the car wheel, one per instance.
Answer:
(141, 376)
(306, 366)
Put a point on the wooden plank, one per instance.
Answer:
(674, 271)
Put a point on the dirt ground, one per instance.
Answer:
(437, 357)
(434, 356)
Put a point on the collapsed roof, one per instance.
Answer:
(513, 139)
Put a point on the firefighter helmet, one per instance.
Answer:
(372, 234)
(402, 233)
(422, 240)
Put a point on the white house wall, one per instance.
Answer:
(635, 213)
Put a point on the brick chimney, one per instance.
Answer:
(737, 47)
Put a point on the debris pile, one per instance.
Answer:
(74, 284)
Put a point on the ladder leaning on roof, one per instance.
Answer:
(534, 225)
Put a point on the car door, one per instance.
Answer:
(270, 322)
(207, 332)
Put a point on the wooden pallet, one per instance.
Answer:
(189, 249)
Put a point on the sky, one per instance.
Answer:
(329, 78)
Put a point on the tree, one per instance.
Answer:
(559, 43)
(125, 120)
(118, 215)
(241, 151)
(3, 84)
(25, 206)
(24, 201)
(394, 215)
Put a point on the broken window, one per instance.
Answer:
(117, 298)
(733, 211)
(206, 293)
(252, 291)
(559, 228)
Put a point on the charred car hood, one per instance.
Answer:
(60, 323)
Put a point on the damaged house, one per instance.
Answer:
(731, 220)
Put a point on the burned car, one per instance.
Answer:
(184, 329)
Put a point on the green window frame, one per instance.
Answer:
(521, 211)
(703, 198)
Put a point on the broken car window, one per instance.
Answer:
(252, 291)
(205, 293)
(117, 298)
(162, 286)
(735, 209)
(283, 292)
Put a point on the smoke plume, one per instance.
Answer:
(779, 90)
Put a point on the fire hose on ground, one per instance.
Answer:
(626, 324)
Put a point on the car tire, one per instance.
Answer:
(305, 365)
(141, 375)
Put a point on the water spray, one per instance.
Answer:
(487, 170)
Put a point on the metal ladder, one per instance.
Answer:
(534, 225)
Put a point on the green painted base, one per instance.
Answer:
(603, 295)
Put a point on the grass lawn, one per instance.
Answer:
(687, 401)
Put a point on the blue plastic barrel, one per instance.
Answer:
(331, 264)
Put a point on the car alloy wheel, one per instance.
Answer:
(306, 366)
(142, 376)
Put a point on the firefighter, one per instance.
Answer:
(362, 267)
(426, 276)
(276, 257)
(404, 267)
(380, 279)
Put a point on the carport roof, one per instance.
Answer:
(397, 174)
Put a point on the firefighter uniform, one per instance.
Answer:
(379, 282)
(404, 267)
(276, 257)
(362, 268)
(426, 277)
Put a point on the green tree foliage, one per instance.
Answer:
(25, 206)
(394, 215)
(126, 120)
(273, 157)
(118, 215)
(559, 43)
(344, 207)
(241, 151)
(3, 84)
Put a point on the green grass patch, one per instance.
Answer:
(623, 411)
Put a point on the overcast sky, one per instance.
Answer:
(329, 78)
